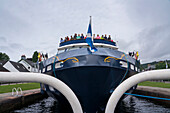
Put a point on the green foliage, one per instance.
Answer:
(4, 56)
(35, 56)
(155, 84)
(146, 64)
(160, 65)
(25, 86)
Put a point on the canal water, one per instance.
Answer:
(130, 104)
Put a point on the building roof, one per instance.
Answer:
(2, 69)
(29, 62)
(2, 62)
(19, 66)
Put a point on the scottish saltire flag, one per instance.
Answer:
(89, 38)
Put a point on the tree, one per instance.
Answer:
(4, 56)
(161, 65)
(35, 56)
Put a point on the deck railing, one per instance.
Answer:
(84, 41)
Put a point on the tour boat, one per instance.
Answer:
(92, 68)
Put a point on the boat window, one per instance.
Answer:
(84, 46)
(105, 47)
(60, 51)
(123, 64)
(43, 70)
(49, 68)
(57, 65)
(101, 47)
(136, 69)
(73, 48)
(132, 66)
(69, 49)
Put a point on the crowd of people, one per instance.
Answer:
(81, 36)
(132, 54)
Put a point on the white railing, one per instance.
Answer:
(46, 79)
(69, 94)
(130, 82)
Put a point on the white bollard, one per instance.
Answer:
(128, 83)
(46, 79)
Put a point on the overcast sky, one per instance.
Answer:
(140, 25)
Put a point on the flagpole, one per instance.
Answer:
(91, 27)
(89, 38)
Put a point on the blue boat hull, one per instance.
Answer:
(91, 76)
(92, 85)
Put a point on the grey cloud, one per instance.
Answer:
(153, 43)
(3, 40)
(38, 25)
(4, 48)
(146, 13)
(13, 50)
(16, 46)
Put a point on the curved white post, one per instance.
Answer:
(128, 83)
(46, 79)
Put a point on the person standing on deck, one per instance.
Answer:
(61, 40)
(78, 37)
(93, 36)
(75, 36)
(105, 37)
(98, 37)
(85, 37)
(109, 38)
(82, 36)
(102, 37)
(71, 37)
(67, 38)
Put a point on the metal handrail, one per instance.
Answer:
(19, 89)
(130, 82)
(13, 91)
(46, 79)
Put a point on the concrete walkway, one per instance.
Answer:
(155, 92)
(5, 96)
(164, 91)
(8, 102)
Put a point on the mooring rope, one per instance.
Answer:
(137, 94)
(147, 96)
(126, 70)
(54, 66)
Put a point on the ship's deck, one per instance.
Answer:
(82, 42)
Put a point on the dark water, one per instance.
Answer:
(130, 104)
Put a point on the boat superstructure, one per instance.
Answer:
(92, 76)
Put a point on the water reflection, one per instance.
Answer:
(130, 104)
(48, 105)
